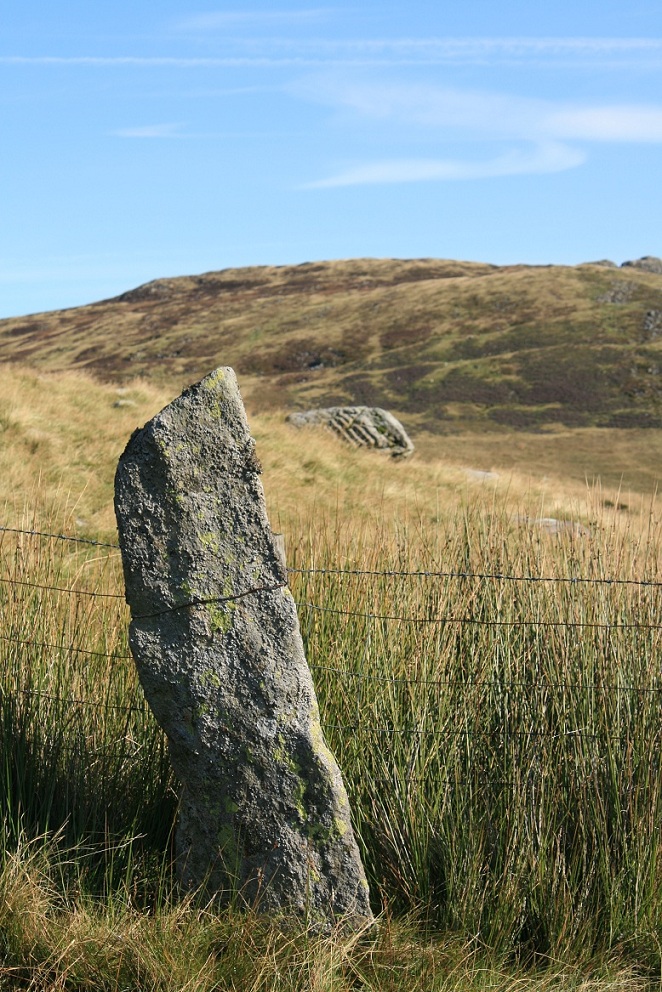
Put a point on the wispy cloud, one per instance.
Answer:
(425, 105)
(475, 50)
(150, 131)
(276, 52)
(219, 20)
(157, 61)
(545, 132)
(614, 122)
(485, 114)
(550, 157)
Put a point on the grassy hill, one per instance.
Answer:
(447, 345)
(500, 362)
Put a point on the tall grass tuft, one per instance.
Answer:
(501, 739)
(80, 754)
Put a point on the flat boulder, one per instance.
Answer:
(360, 426)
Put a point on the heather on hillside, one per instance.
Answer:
(448, 346)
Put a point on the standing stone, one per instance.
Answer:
(214, 632)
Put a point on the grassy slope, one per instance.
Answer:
(62, 434)
(498, 361)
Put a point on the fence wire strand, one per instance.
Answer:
(58, 537)
(7, 580)
(488, 683)
(65, 647)
(72, 701)
(479, 621)
(502, 733)
(483, 576)
(388, 573)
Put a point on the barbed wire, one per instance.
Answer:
(468, 684)
(499, 576)
(48, 588)
(479, 621)
(57, 537)
(114, 749)
(391, 680)
(482, 734)
(447, 733)
(389, 573)
(586, 624)
(487, 683)
(73, 701)
(70, 649)
(208, 601)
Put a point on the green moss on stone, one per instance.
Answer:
(220, 616)
(209, 541)
(210, 678)
(227, 844)
(214, 379)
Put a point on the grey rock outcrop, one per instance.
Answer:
(263, 814)
(361, 426)
(652, 325)
(620, 291)
(649, 263)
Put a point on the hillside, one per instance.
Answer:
(512, 366)
(445, 344)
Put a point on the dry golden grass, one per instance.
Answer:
(62, 434)
(63, 926)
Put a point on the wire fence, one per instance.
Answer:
(389, 573)
(360, 676)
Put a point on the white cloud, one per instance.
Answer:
(156, 62)
(275, 52)
(428, 105)
(479, 50)
(150, 131)
(548, 157)
(618, 122)
(485, 114)
(440, 114)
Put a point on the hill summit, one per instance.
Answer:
(447, 346)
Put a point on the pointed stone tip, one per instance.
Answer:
(221, 378)
(213, 405)
(221, 385)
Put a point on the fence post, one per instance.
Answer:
(214, 632)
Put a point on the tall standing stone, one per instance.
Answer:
(215, 636)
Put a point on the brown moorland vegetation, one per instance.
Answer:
(448, 346)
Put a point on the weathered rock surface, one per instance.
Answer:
(558, 528)
(652, 325)
(362, 426)
(215, 635)
(649, 263)
(620, 291)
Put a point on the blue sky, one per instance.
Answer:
(143, 140)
